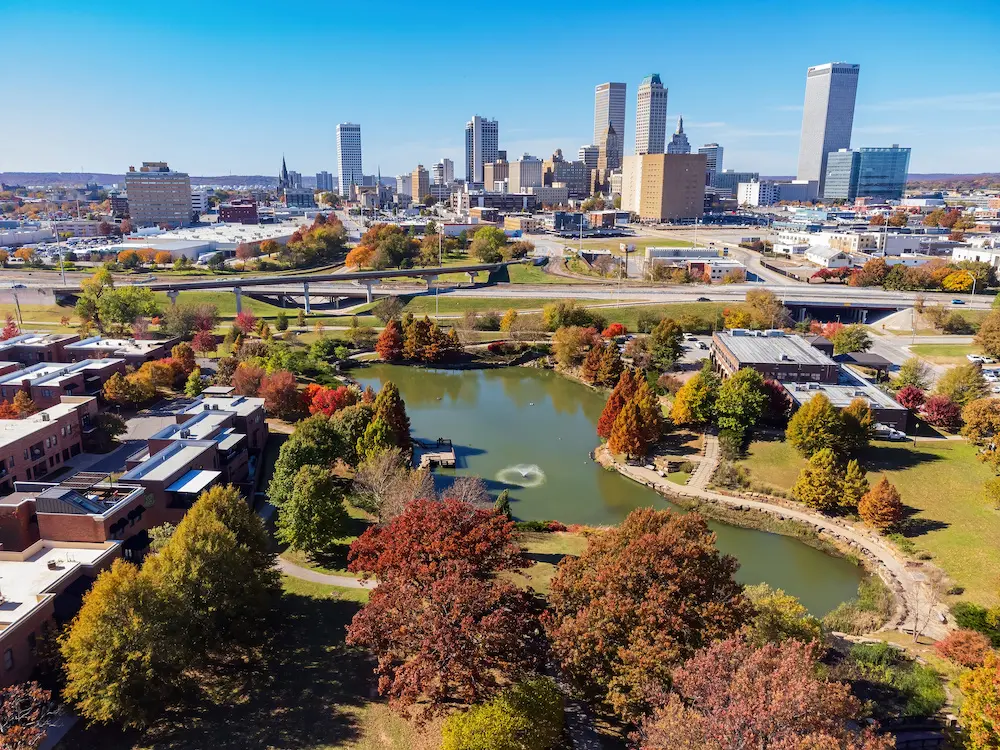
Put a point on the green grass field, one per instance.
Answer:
(546, 549)
(679, 477)
(629, 315)
(529, 274)
(945, 354)
(941, 482)
(614, 243)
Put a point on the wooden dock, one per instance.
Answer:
(434, 454)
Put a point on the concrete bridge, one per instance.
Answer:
(335, 285)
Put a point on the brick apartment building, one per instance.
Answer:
(239, 211)
(774, 354)
(249, 417)
(133, 351)
(175, 476)
(46, 384)
(31, 348)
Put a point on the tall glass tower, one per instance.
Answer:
(349, 156)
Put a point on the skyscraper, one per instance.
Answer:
(481, 139)
(827, 117)
(651, 116)
(324, 181)
(349, 156)
(588, 155)
(609, 110)
(878, 173)
(420, 183)
(443, 173)
(158, 195)
(713, 152)
(679, 142)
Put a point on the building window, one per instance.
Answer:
(8, 660)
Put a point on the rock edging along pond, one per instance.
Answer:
(907, 581)
(502, 421)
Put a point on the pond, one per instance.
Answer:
(531, 431)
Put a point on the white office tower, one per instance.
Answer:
(713, 163)
(443, 173)
(349, 156)
(524, 173)
(827, 118)
(651, 116)
(679, 142)
(609, 110)
(589, 155)
(481, 139)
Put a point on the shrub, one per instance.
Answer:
(965, 647)
(669, 383)
(897, 686)
(975, 617)
(732, 476)
(528, 716)
(613, 330)
(556, 526)
(730, 445)
(488, 321)
(868, 612)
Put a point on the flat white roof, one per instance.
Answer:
(242, 405)
(124, 346)
(164, 464)
(194, 481)
(53, 374)
(25, 582)
(15, 429)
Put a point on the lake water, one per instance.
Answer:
(545, 425)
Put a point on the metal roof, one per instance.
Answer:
(771, 347)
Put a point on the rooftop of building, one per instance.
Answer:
(34, 339)
(54, 374)
(849, 386)
(164, 464)
(194, 481)
(241, 405)
(221, 233)
(770, 347)
(28, 578)
(16, 429)
(123, 346)
(200, 427)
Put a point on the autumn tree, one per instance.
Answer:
(627, 434)
(852, 338)
(390, 408)
(592, 363)
(331, 400)
(281, 395)
(815, 426)
(194, 384)
(881, 507)
(487, 244)
(526, 716)
(468, 489)
(610, 365)
(910, 397)
(740, 402)
(314, 517)
(858, 422)
(777, 617)
(650, 412)
(735, 695)
(965, 647)
(820, 482)
(247, 379)
(25, 713)
(962, 384)
(914, 371)
(570, 344)
(982, 423)
(694, 403)
(390, 342)
(384, 484)
(622, 392)
(642, 597)
(10, 329)
(981, 705)
(23, 405)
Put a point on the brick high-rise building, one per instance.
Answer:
(157, 195)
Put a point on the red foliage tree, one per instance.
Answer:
(7, 411)
(281, 394)
(734, 695)
(965, 647)
(390, 342)
(778, 405)
(910, 397)
(941, 411)
(203, 341)
(432, 538)
(246, 322)
(309, 393)
(25, 711)
(640, 600)
(10, 329)
(184, 354)
(330, 400)
(390, 408)
(591, 364)
(454, 638)
(247, 379)
(615, 329)
(616, 401)
(881, 507)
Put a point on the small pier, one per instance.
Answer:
(433, 454)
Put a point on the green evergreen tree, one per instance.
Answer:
(855, 486)
(281, 321)
(377, 438)
(390, 408)
(819, 484)
(194, 386)
(502, 505)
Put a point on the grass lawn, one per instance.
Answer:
(529, 274)
(424, 304)
(945, 354)
(679, 477)
(941, 483)
(641, 243)
(41, 313)
(334, 563)
(312, 692)
(546, 549)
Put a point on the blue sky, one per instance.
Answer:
(226, 87)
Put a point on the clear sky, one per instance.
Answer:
(228, 87)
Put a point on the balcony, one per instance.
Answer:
(36, 453)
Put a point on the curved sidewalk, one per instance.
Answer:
(348, 582)
(908, 580)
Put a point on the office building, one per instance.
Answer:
(727, 181)
(679, 141)
(757, 193)
(494, 172)
(443, 173)
(713, 163)
(609, 117)
(199, 201)
(524, 173)
(651, 116)
(875, 173)
(664, 187)
(575, 175)
(609, 155)
(482, 137)
(119, 205)
(827, 117)
(349, 156)
(588, 155)
(239, 211)
(403, 184)
(420, 183)
(157, 195)
(324, 181)
(774, 354)
(295, 179)
(299, 197)
(557, 195)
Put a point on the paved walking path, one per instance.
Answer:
(909, 580)
(349, 582)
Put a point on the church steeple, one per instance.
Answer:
(283, 175)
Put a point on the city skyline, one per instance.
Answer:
(751, 106)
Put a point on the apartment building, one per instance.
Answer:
(32, 447)
(218, 426)
(157, 195)
(47, 384)
(249, 417)
(133, 351)
(29, 348)
(175, 476)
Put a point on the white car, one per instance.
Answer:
(885, 432)
(974, 358)
(990, 376)
(689, 337)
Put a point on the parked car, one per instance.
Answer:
(885, 432)
(689, 336)
(974, 358)
(702, 345)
